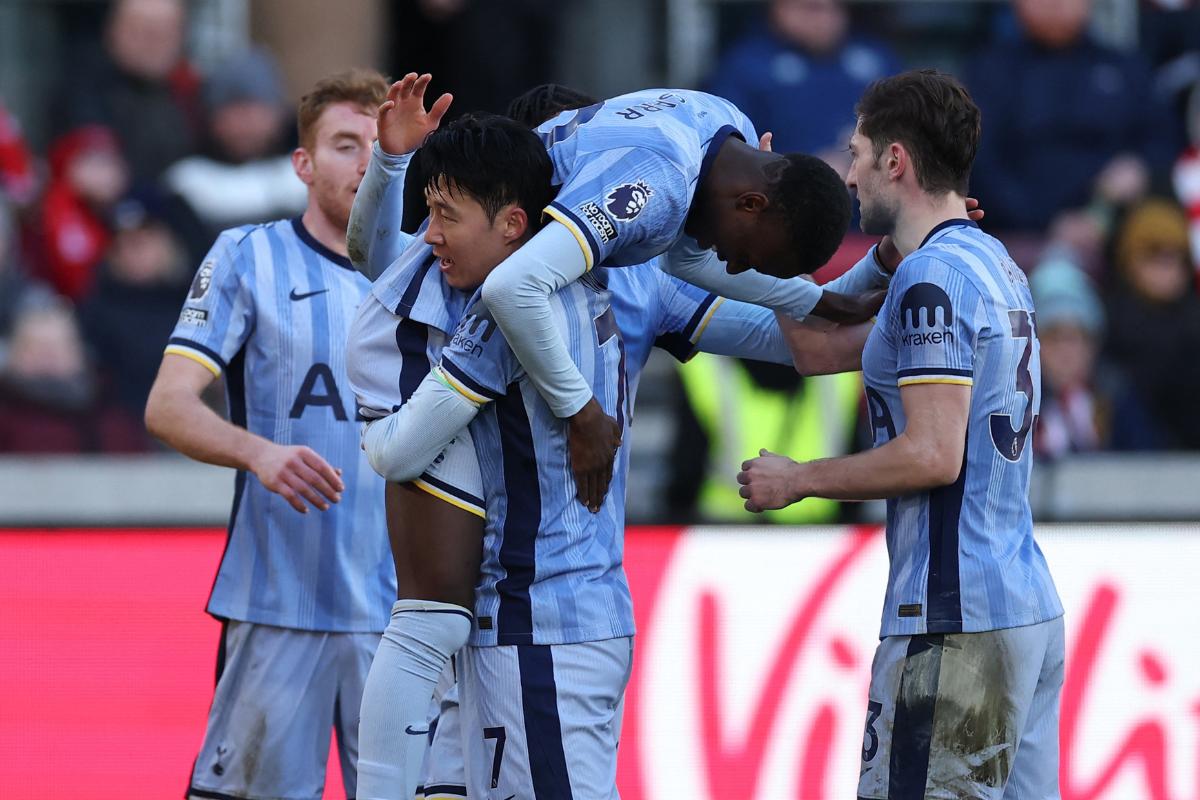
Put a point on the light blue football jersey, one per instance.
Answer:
(400, 329)
(963, 557)
(629, 167)
(270, 308)
(552, 571)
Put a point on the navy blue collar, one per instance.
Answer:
(714, 147)
(950, 223)
(322, 250)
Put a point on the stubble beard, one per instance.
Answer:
(335, 210)
(877, 219)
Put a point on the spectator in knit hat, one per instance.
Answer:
(245, 173)
(1087, 404)
(1154, 317)
(87, 176)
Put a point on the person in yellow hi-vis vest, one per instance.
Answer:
(741, 406)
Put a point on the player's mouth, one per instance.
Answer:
(444, 264)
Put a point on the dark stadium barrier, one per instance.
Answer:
(750, 676)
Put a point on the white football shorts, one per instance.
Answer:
(388, 355)
(279, 693)
(542, 722)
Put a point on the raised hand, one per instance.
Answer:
(403, 121)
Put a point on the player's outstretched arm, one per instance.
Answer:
(518, 293)
(926, 455)
(820, 348)
(374, 238)
(742, 330)
(814, 347)
(795, 297)
(872, 272)
(403, 444)
(177, 416)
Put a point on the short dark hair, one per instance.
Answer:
(933, 116)
(816, 206)
(492, 159)
(546, 101)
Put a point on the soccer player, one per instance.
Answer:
(435, 521)
(643, 300)
(553, 616)
(302, 596)
(966, 681)
(673, 172)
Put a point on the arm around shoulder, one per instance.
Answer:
(820, 348)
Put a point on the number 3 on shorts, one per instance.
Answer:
(870, 737)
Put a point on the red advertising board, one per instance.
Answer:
(750, 676)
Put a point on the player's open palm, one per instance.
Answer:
(767, 482)
(593, 439)
(296, 473)
(403, 120)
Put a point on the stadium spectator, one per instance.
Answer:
(140, 85)
(1069, 122)
(729, 408)
(129, 315)
(244, 174)
(1169, 35)
(50, 398)
(799, 73)
(1154, 317)
(87, 176)
(1186, 175)
(485, 52)
(18, 179)
(1087, 404)
(14, 283)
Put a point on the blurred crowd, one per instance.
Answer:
(102, 226)
(1089, 171)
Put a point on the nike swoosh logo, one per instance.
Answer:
(295, 296)
(409, 730)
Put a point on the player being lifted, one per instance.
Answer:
(673, 173)
(384, 345)
(553, 617)
(302, 597)
(966, 681)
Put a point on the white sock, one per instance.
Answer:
(392, 726)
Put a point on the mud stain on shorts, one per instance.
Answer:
(974, 731)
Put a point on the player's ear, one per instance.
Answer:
(302, 164)
(516, 224)
(751, 202)
(896, 160)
